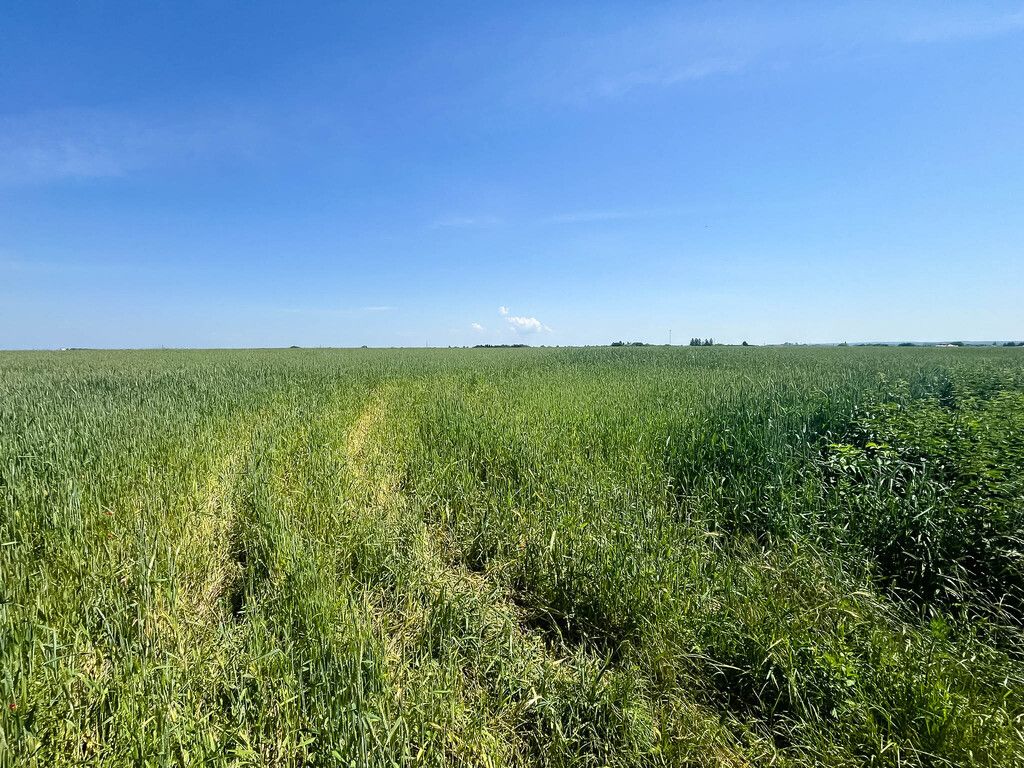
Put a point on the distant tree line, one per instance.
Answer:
(630, 344)
(498, 346)
(695, 342)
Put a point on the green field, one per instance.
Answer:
(562, 557)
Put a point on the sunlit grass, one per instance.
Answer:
(512, 557)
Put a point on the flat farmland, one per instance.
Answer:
(527, 557)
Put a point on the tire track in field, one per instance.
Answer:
(438, 585)
(212, 570)
(449, 588)
(362, 455)
(375, 475)
(175, 570)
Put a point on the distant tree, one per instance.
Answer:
(843, 344)
(618, 343)
(906, 344)
(744, 344)
(709, 342)
(694, 342)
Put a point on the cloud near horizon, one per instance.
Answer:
(522, 324)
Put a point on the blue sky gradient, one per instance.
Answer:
(219, 174)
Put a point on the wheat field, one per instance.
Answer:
(525, 557)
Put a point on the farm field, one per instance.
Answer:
(525, 557)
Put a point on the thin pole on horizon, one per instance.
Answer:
(670, 337)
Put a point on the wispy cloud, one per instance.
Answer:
(962, 23)
(666, 75)
(584, 217)
(38, 267)
(477, 327)
(337, 311)
(613, 58)
(522, 324)
(465, 222)
(77, 144)
(11, 264)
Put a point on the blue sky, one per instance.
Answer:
(219, 174)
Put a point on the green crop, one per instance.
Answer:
(526, 557)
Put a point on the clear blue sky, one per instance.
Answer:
(222, 174)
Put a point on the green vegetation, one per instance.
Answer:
(557, 557)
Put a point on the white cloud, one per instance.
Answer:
(477, 327)
(522, 324)
(527, 324)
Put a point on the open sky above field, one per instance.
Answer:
(223, 174)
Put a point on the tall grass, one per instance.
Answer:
(512, 557)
